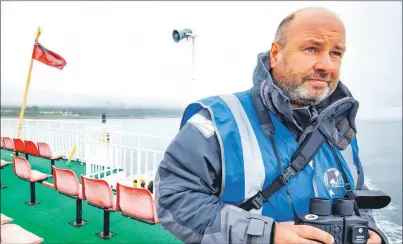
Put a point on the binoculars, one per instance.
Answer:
(338, 219)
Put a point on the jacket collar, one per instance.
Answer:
(266, 94)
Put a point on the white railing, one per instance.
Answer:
(121, 163)
(61, 135)
(108, 153)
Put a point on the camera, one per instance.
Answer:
(338, 219)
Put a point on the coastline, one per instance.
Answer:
(87, 117)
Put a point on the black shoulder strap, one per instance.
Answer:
(266, 124)
(304, 154)
(301, 158)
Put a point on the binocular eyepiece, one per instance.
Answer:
(340, 207)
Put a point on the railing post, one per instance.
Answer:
(146, 163)
(138, 159)
(105, 134)
(131, 162)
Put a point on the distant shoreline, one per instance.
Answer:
(87, 117)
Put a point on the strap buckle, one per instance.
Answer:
(257, 200)
(288, 174)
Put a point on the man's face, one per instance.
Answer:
(307, 68)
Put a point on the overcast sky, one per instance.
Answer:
(122, 53)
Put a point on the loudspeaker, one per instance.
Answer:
(178, 35)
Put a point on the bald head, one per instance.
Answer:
(316, 14)
(306, 56)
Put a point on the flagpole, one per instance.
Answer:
(24, 101)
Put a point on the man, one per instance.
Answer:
(231, 147)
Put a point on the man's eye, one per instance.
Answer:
(310, 49)
(337, 53)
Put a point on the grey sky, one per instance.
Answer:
(122, 53)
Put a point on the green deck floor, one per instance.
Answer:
(50, 219)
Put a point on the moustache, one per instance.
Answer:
(318, 75)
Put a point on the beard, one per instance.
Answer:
(293, 87)
(298, 94)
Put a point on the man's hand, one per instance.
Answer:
(286, 232)
(373, 238)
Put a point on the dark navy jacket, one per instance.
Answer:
(188, 180)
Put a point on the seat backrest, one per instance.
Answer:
(44, 150)
(97, 192)
(2, 142)
(19, 145)
(31, 148)
(8, 143)
(22, 168)
(135, 202)
(65, 181)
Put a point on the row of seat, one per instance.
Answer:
(27, 147)
(136, 203)
(12, 233)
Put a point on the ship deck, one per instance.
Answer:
(50, 219)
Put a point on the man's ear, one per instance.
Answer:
(274, 54)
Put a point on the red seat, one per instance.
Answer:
(4, 164)
(8, 143)
(2, 142)
(31, 149)
(23, 170)
(99, 194)
(19, 146)
(66, 182)
(45, 152)
(136, 203)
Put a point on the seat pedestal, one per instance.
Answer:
(33, 201)
(79, 215)
(106, 234)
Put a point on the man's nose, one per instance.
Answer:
(325, 64)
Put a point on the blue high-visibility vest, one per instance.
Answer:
(249, 163)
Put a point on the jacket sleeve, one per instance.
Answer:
(188, 183)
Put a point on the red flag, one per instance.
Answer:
(48, 57)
